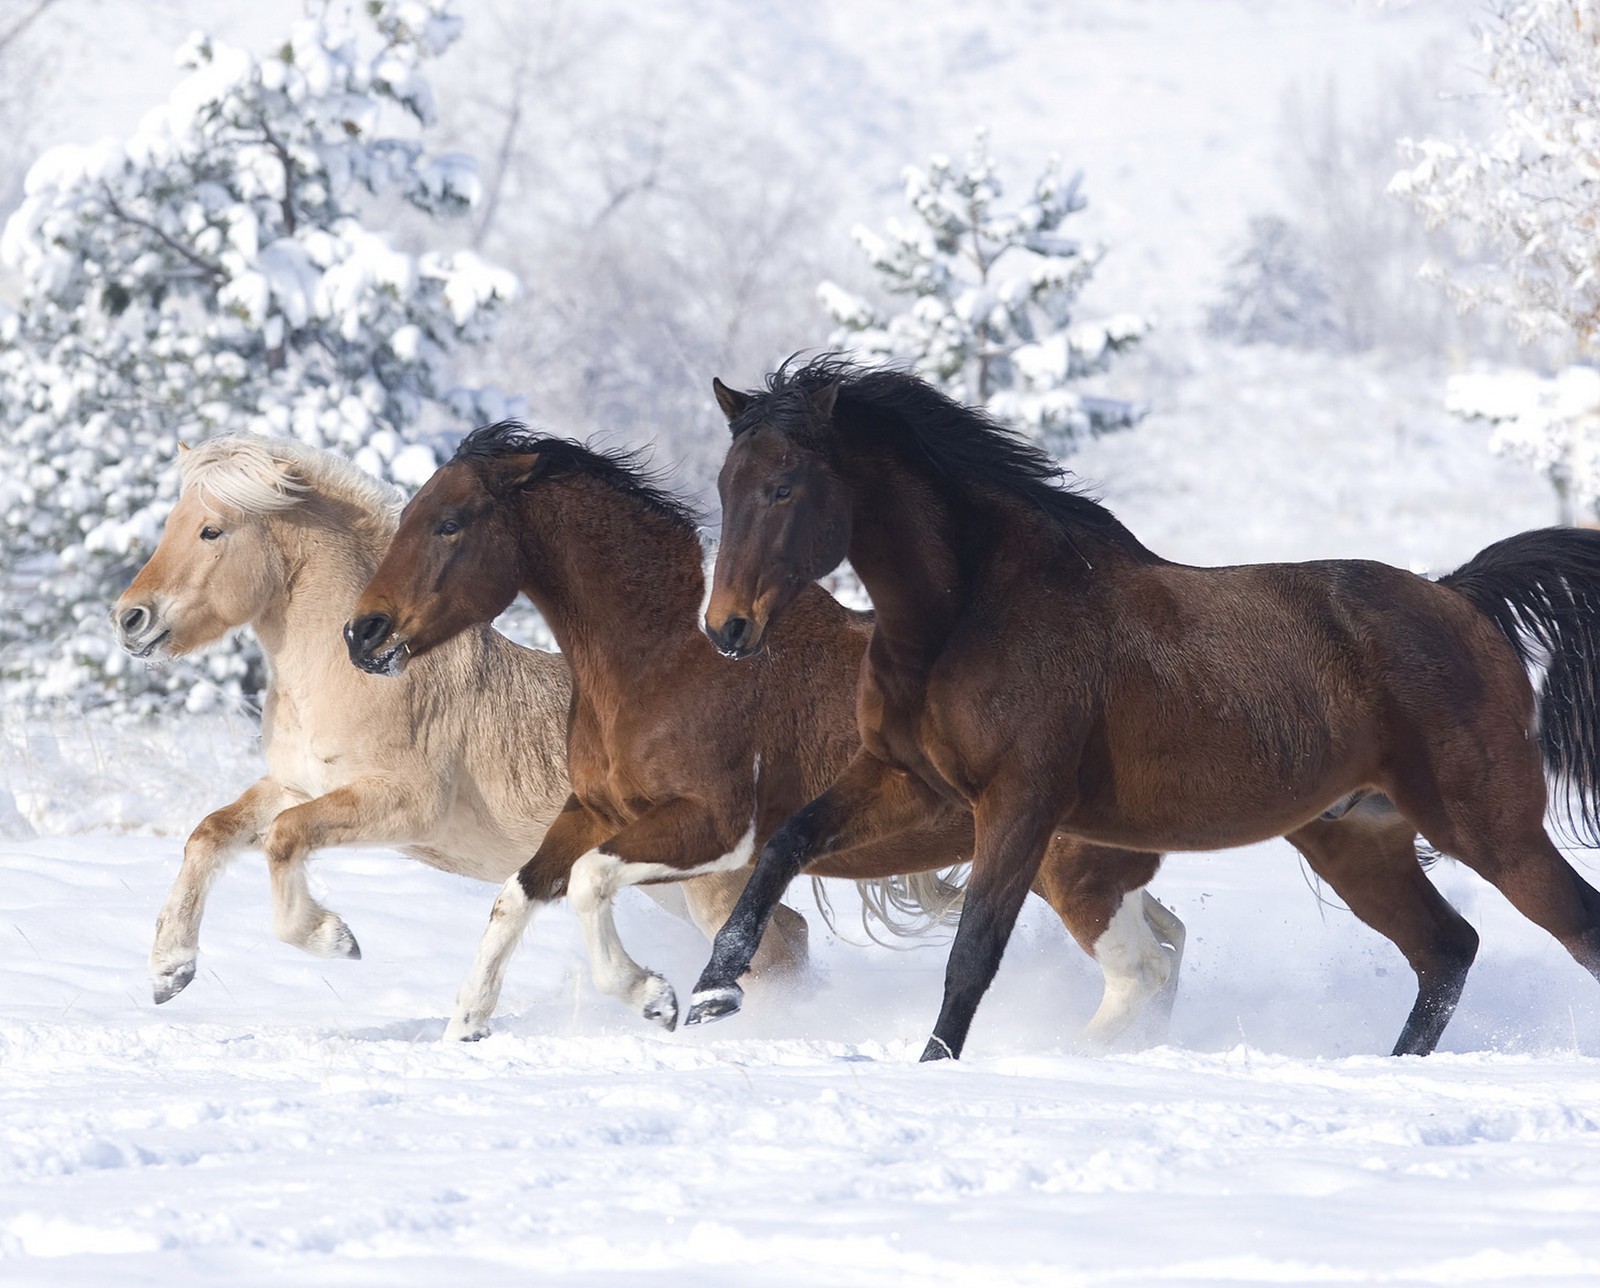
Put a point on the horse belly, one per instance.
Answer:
(1201, 803)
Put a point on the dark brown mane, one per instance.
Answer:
(623, 471)
(963, 446)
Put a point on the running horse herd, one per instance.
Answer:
(1034, 693)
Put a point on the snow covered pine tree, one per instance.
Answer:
(213, 271)
(992, 294)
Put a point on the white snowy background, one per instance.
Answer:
(291, 1120)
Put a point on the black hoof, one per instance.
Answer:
(710, 1004)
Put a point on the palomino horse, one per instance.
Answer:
(681, 762)
(462, 765)
(1031, 659)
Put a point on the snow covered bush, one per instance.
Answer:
(1528, 195)
(991, 296)
(215, 271)
(1551, 423)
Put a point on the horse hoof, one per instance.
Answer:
(169, 983)
(461, 1029)
(333, 939)
(661, 1004)
(714, 1004)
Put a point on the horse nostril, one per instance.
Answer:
(133, 621)
(364, 634)
(736, 633)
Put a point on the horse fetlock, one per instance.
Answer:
(658, 1002)
(714, 1003)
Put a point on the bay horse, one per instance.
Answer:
(1032, 660)
(462, 765)
(681, 762)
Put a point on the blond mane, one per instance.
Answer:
(254, 475)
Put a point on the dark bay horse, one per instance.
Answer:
(1033, 661)
(681, 762)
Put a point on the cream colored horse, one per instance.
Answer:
(460, 763)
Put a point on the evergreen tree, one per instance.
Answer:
(214, 271)
(1274, 292)
(991, 295)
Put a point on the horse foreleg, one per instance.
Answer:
(1010, 843)
(712, 899)
(220, 836)
(540, 880)
(870, 800)
(377, 811)
(678, 838)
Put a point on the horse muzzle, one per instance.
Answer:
(373, 646)
(140, 628)
(737, 637)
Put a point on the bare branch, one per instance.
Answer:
(23, 23)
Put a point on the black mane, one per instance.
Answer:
(622, 470)
(962, 444)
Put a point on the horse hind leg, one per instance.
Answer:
(1517, 857)
(1372, 865)
(1138, 943)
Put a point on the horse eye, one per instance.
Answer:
(448, 528)
(781, 492)
(208, 533)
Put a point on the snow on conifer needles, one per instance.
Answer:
(215, 271)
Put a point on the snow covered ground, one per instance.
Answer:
(289, 1119)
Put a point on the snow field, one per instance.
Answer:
(289, 1116)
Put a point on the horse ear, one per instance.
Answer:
(519, 471)
(822, 401)
(731, 401)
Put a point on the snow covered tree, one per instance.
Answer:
(215, 271)
(1274, 292)
(1529, 195)
(991, 298)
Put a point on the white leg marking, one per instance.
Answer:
(1136, 966)
(475, 1003)
(595, 880)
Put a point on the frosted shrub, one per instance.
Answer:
(1527, 196)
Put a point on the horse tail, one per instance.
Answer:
(905, 907)
(1542, 589)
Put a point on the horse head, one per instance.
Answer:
(216, 566)
(445, 569)
(785, 511)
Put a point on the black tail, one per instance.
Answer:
(1542, 589)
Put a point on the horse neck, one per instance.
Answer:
(923, 545)
(618, 583)
(329, 552)
(907, 546)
